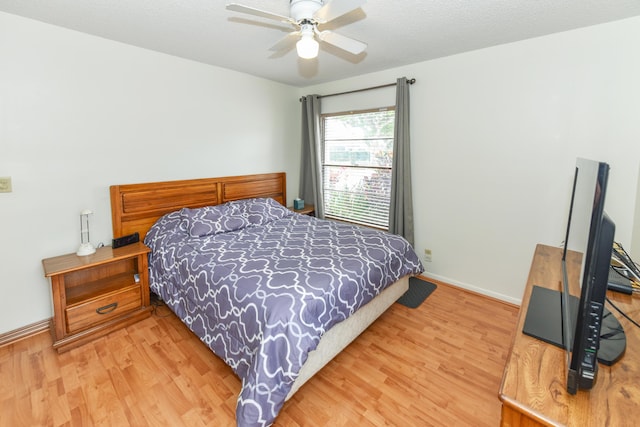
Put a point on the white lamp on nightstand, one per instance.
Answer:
(86, 248)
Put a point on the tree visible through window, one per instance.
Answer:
(357, 159)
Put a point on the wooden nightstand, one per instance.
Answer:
(307, 210)
(97, 294)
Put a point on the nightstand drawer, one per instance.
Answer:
(99, 310)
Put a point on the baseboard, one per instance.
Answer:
(488, 294)
(24, 332)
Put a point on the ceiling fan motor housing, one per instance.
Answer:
(301, 10)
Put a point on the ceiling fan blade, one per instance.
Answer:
(336, 8)
(257, 12)
(286, 42)
(343, 42)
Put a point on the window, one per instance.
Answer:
(357, 159)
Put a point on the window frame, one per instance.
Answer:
(323, 116)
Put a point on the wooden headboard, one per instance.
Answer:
(136, 207)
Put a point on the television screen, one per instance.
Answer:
(579, 322)
(590, 235)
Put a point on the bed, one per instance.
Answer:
(237, 268)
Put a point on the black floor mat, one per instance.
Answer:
(418, 291)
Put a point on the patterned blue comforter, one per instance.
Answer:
(260, 285)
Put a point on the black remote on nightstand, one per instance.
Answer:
(125, 240)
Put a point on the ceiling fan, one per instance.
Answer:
(305, 17)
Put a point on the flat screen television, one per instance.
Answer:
(580, 323)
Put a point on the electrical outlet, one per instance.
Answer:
(427, 255)
(5, 184)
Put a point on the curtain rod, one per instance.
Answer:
(410, 81)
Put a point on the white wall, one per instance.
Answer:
(634, 249)
(79, 113)
(495, 134)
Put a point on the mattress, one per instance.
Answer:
(261, 285)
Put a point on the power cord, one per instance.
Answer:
(622, 264)
(615, 307)
(614, 333)
(159, 306)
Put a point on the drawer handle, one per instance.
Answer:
(107, 308)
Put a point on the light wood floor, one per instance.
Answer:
(440, 364)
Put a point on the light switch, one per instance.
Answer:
(5, 184)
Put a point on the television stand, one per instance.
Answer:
(544, 322)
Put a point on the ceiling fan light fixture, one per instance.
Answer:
(305, 16)
(307, 46)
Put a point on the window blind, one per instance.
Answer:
(357, 160)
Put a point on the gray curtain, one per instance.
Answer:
(311, 157)
(401, 207)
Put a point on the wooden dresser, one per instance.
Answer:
(533, 390)
(96, 294)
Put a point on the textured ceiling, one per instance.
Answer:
(397, 32)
